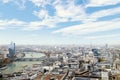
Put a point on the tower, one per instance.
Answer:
(11, 50)
(95, 52)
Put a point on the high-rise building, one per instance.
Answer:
(95, 52)
(11, 49)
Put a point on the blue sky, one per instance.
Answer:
(50, 22)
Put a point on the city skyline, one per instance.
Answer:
(49, 22)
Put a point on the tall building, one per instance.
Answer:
(11, 49)
(95, 52)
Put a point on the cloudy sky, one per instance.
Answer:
(60, 21)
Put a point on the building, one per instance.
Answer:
(11, 50)
(95, 51)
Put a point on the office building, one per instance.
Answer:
(12, 50)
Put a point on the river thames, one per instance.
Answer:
(18, 66)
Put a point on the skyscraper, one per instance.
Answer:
(95, 52)
(11, 50)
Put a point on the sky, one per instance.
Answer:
(51, 22)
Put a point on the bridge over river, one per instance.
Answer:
(31, 56)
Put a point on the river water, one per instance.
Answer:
(19, 65)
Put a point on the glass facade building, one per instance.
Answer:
(95, 52)
(12, 50)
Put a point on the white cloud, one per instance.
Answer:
(103, 13)
(33, 25)
(4, 24)
(65, 12)
(42, 14)
(40, 3)
(90, 27)
(90, 24)
(6, 1)
(11, 23)
(87, 3)
(20, 3)
(103, 36)
(94, 3)
(69, 11)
